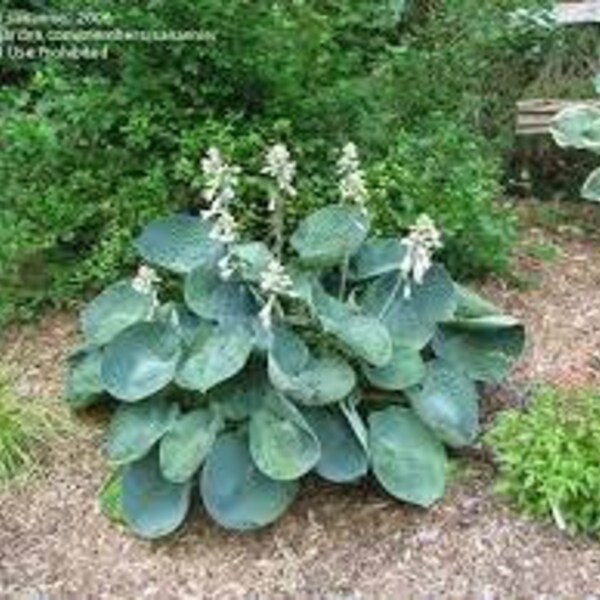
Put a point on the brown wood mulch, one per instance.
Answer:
(337, 542)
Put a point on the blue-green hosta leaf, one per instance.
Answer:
(472, 305)
(591, 188)
(179, 243)
(485, 348)
(252, 259)
(235, 493)
(326, 237)
(577, 127)
(84, 384)
(217, 300)
(216, 354)
(140, 361)
(115, 309)
(407, 459)
(364, 335)
(411, 320)
(187, 443)
(182, 319)
(447, 402)
(152, 506)
(377, 257)
(135, 428)
(282, 444)
(348, 408)
(405, 369)
(343, 458)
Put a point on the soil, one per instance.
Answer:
(336, 543)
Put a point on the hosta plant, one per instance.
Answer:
(579, 127)
(330, 352)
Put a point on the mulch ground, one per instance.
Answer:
(337, 542)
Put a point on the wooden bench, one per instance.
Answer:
(534, 116)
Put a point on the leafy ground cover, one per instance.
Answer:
(335, 542)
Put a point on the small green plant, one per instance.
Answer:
(24, 427)
(579, 127)
(355, 354)
(549, 458)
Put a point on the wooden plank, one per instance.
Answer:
(577, 13)
(534, 116)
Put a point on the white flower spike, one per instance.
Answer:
(421, 243)
(282, 169)
(352, 184)
(221, 181)
(274, 282)
(145, 280)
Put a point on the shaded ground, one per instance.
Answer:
(336, 543)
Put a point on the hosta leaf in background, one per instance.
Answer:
(84, 383)
(152, 506)
(187, 443)
(591, 188)
(252, 259)
(343, 458)
(217, 300)
(182, 319)
(135, 428)
(377, 257)
(179, 243)
(282, 444)
(407, 459)
(447, 402)
(237, 398)
(405, 369)
(235, 493)
(140, 361)
(485, 348)
(115, 309)
(577, 127)
(330, 235)
(364, 335)
(215, 355)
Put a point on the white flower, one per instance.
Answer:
(145, 280)
(423, 240)
(282, 169)
(225, 228)
(221, 179)
(274, 282)
(352, 184)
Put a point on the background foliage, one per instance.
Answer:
(90, 151)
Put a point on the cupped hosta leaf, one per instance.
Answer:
(187, 443)
(84, 383)
(182, 319)
(235, 493)
(115, 309)
(152, 506)
(326, 237)
(282, 444)
(140, 361)
(179, 243)
(485, 348)
(447, 402)
(405, 369)
(364, 335)
(217, 300)
(343, 457)
(407, 459)
(472, 305)
(237, 398)
(135, 428)
(251, 259)
(411, 319)
(216, 354)
(377, 257)
(577, 127)
(591, 188)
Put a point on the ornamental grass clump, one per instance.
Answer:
(328, 352)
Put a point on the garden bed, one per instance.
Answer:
(349, 542)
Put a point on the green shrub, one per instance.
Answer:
(549, 458)
(359, 354)
(92, 150)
